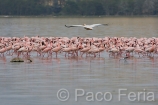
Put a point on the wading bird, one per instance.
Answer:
(87, 27)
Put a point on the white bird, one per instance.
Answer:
(87, 27)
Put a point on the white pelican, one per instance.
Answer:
(87, 27)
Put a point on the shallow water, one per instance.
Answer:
(37, 83)
(118, 26)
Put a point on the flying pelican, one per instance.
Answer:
(87, 27)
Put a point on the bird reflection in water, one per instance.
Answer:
(3, 58)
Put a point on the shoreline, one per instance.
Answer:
(77, 16)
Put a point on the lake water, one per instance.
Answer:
(38, 83)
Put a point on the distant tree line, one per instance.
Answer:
(79, 7)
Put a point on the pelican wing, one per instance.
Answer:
(74, 26)
(94, 25)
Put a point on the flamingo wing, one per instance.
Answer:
(73, 26)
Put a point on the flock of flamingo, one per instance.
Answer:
(78, 46)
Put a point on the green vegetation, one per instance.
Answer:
(79, 7)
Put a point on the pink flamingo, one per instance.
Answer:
(22, 50)
(57, 49)
(3, 50)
